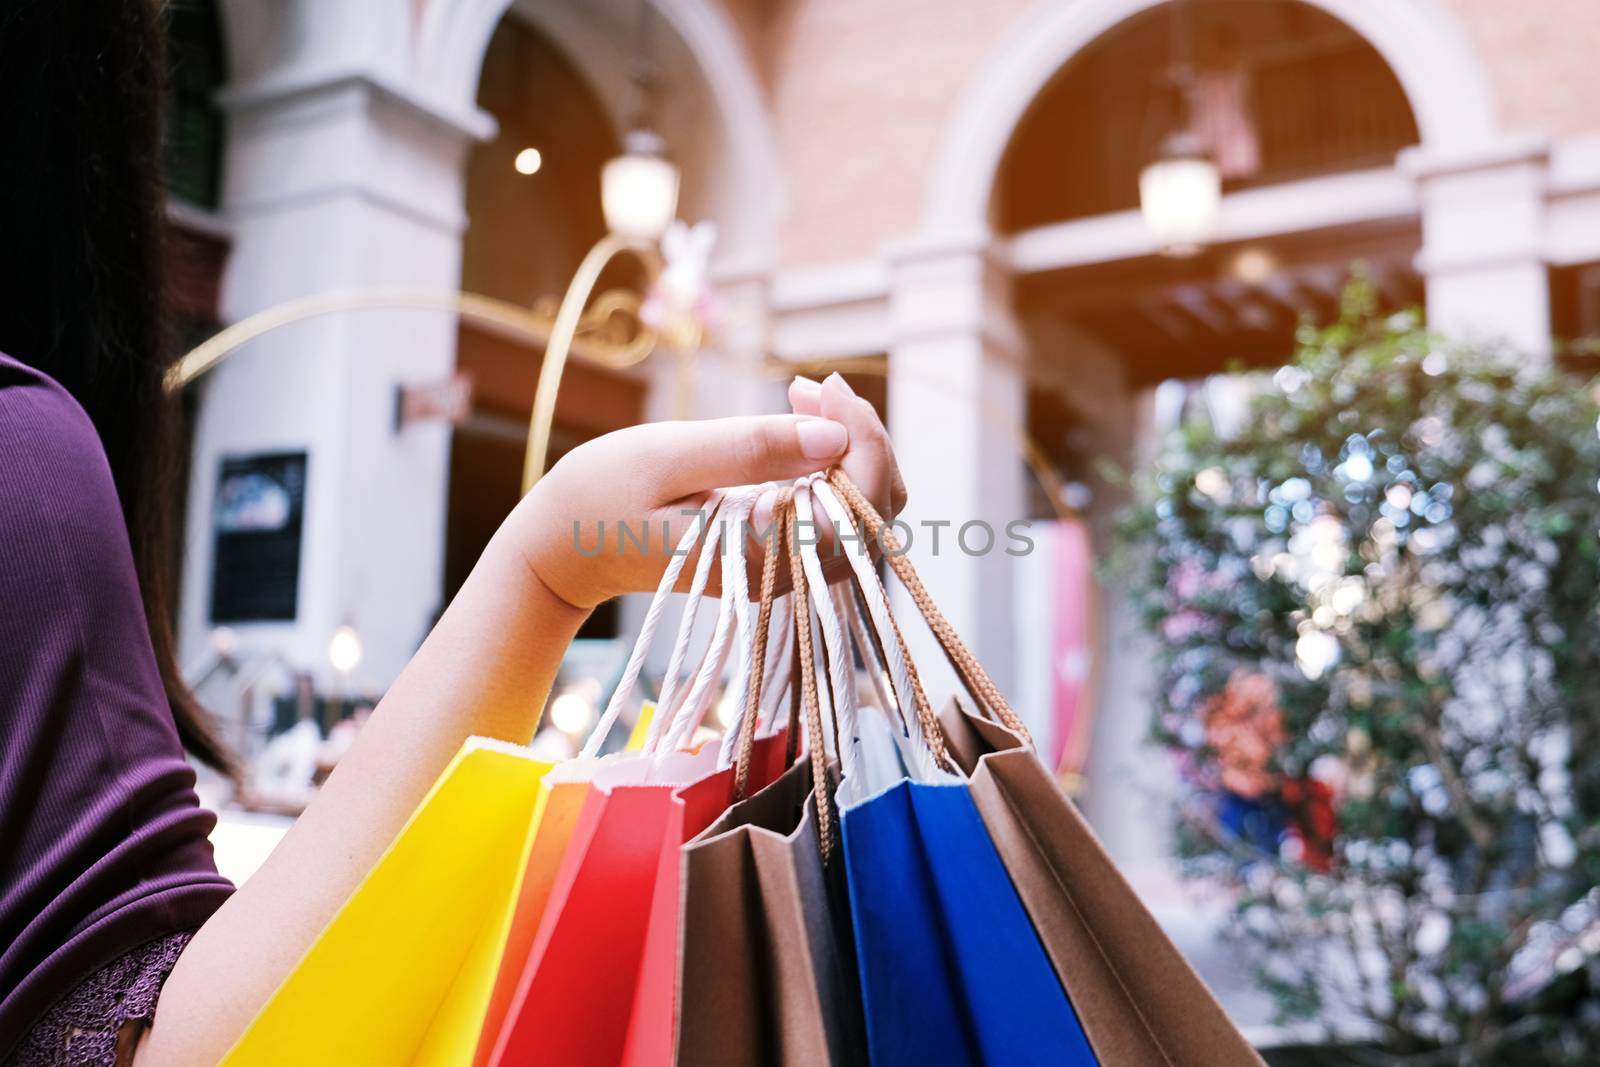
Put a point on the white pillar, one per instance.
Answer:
(1482, 225)
(957, 400)
(727, 377)
(336, 179)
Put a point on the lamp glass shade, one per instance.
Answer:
(344, 649)
(1179, 197)
(639, 194)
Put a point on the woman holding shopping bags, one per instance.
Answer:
(119, 943)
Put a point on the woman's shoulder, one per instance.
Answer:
(52, 466)
(39, 416)
(57, 497)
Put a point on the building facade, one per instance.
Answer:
(941, 193)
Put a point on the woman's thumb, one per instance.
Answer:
(690, 457)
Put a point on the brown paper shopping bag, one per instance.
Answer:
(1140, 1002)
(766, 972)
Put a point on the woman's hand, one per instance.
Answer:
(486, 669)
(655, 477)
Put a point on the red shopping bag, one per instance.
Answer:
(597, 987)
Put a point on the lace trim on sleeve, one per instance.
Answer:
(84, 1028)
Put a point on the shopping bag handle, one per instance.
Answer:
(921, 745)
(904, 677)
(732, 621)
(652, 618)
(873, 657)
(742, 732)
(673, 689)
(974, 678)
(784, 527)
(837, 658)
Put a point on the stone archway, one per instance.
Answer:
(1445, 82)
(452, 38)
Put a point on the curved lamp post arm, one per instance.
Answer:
(562, 333)
(530, 325)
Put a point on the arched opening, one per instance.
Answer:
(1306, 117)
(713, 114)
(1300, 113)
(533, 204)
(558, 80)
(1293, 92)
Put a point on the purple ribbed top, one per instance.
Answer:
(103, 844)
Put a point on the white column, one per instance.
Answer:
(957, 399)
(336, 179)
(728, 377)
(1482, 225)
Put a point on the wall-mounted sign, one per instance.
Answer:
(449, 400)
(256, 525)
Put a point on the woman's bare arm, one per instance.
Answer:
(485, 669)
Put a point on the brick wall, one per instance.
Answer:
(1541, 59)
(860, 93)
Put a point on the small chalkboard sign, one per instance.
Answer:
(257, 521)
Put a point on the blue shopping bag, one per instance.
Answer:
(952, 971)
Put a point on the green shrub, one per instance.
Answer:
(1401, 550)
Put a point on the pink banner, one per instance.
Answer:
(1072, 646)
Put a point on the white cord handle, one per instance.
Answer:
(672, 688)
(920, 758)
(841, 669)
(870, 659)
(691, 711)
(735, 580)
(630, 674)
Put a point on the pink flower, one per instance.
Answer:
(1244, 726)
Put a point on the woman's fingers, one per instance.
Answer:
(870, 462)
(673, 460)
(805, 396)
(652, 473)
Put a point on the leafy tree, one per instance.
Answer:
(1402, 545)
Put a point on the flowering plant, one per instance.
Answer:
(681, 305)
(1377, 610)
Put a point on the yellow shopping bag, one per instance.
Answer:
(558, 808)
(404, 972)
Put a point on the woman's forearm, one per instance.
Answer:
(485, 669)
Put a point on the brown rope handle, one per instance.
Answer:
(927, 721)
(791, 744)
(752, 705)
(932, 732)
(808, 688)
(973, 676)
(802, 682)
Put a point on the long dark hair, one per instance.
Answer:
(81, 294)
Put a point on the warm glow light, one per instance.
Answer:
(528, 161)
(344, 649)
(1315, 652)
(1254, 265)
(1179, 195)
(224, 641)
(639, 189)
(571, 713)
